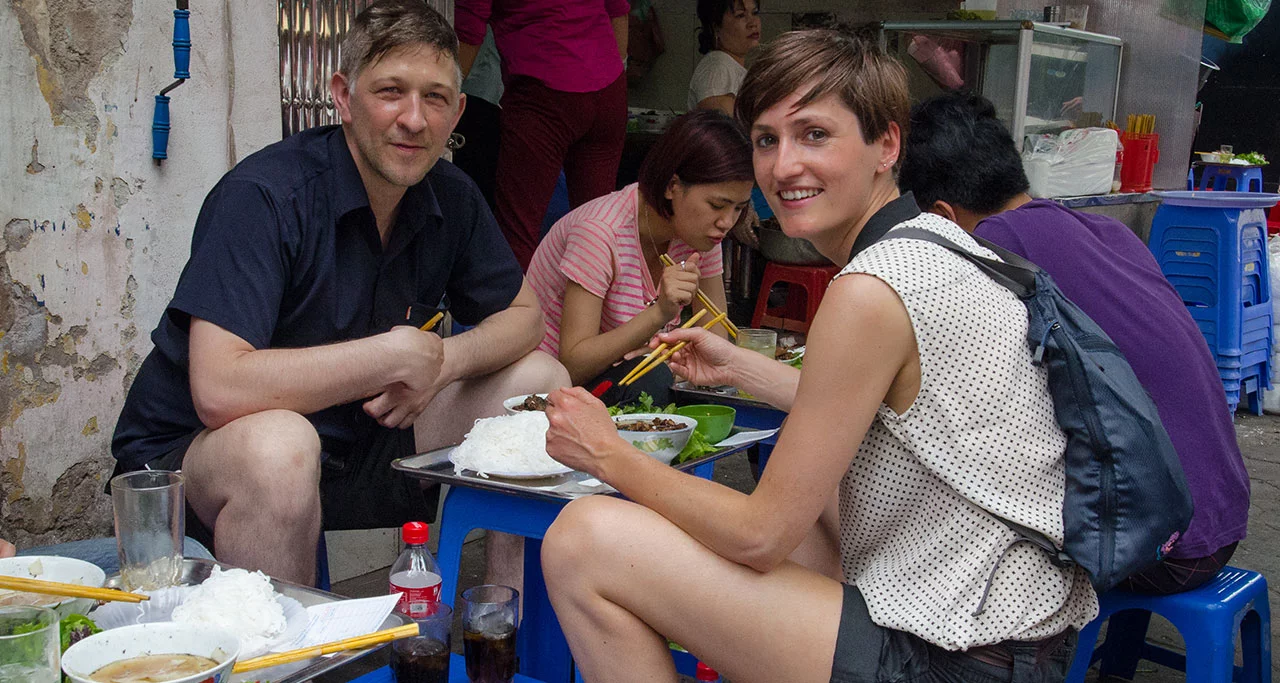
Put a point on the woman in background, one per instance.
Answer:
(730, 29)
(599, 275)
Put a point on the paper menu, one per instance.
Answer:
(332, 621)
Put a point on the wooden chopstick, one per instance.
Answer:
(432, 322)
(661, 347)
(375, 638)
(70, 590)
(706, 301)
(663, 358)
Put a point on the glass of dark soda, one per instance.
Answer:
(425, 658)
(490, 618)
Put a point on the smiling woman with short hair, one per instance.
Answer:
(918, 405)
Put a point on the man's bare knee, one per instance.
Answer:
(272, 457)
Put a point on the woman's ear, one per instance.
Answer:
(672, 184)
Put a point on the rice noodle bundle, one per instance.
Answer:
(511, 443)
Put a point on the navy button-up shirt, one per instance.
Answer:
(286, 254)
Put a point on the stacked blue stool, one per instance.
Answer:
(1212, 247)
(1208, 618)
(1219, 177)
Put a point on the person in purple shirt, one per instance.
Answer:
(961, 163)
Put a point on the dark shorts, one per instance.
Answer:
(358, 488)
(867, 653)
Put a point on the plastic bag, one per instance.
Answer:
(1235, 17)
(1072, 163)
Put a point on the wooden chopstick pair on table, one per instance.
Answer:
(661, 354)
(707, 303)
(70, 590)
(300, 654)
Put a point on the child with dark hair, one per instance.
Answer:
(599, 274)
(961, 163)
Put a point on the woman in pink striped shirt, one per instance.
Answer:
(599, 274)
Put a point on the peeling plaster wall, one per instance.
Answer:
(92, 233)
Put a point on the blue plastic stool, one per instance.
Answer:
(1217, 177)
(540, 645)
(457, 674)
(1208, 619)
(1212, 248)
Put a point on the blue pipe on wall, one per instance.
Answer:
(182, 72)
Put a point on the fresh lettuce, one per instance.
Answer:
(642, 404)
(76, 627)
(697, 447)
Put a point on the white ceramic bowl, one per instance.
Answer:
(663, 446)
(511, 403)
(60, 569)
(96, 651)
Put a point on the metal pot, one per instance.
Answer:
(791, 251)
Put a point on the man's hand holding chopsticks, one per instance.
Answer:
(420, 357)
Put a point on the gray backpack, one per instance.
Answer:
(1126, 500)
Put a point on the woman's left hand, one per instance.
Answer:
(581, 430)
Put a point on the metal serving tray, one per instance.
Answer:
(435, 466)
(195, 571)
(684, 393)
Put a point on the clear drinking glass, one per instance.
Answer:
(29, 645)
(759, 340)
(150, 515)
(425, 658)
(490, 615)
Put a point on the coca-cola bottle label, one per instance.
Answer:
(416, 603)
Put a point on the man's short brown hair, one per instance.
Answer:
(871, 84)
(389, 24)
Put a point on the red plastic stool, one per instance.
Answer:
(800, 306)
(1273, 220)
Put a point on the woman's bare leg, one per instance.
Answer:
(622, 579)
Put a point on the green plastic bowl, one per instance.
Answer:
(714, 421)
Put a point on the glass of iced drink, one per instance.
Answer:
(29, 645)
(490, 616)
(150, 517)
(425, 658)
(759, 340)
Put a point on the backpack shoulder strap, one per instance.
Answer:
(1015, 273)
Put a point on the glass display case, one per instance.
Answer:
(1042, 78)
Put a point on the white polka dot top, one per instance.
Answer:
(980, 436)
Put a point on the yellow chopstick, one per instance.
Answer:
(661, 347)
(706, 301)
(70, 590)
(432, 322)
(663, 358)
(375, 638)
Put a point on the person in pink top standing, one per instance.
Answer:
(565, 103)
(599, 276)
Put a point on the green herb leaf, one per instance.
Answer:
(76, 627)
(697, 447)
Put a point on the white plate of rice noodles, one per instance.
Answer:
(234, 600)
(510, 446)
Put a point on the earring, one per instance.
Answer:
(456, 141)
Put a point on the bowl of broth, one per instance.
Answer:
(51, 568)
(164, 652)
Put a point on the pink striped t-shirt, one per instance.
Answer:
(597, 245)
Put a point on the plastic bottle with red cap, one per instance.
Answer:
(415, 574)
(706, 673)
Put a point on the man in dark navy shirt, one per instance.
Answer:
(288, 367)
(961, 163)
